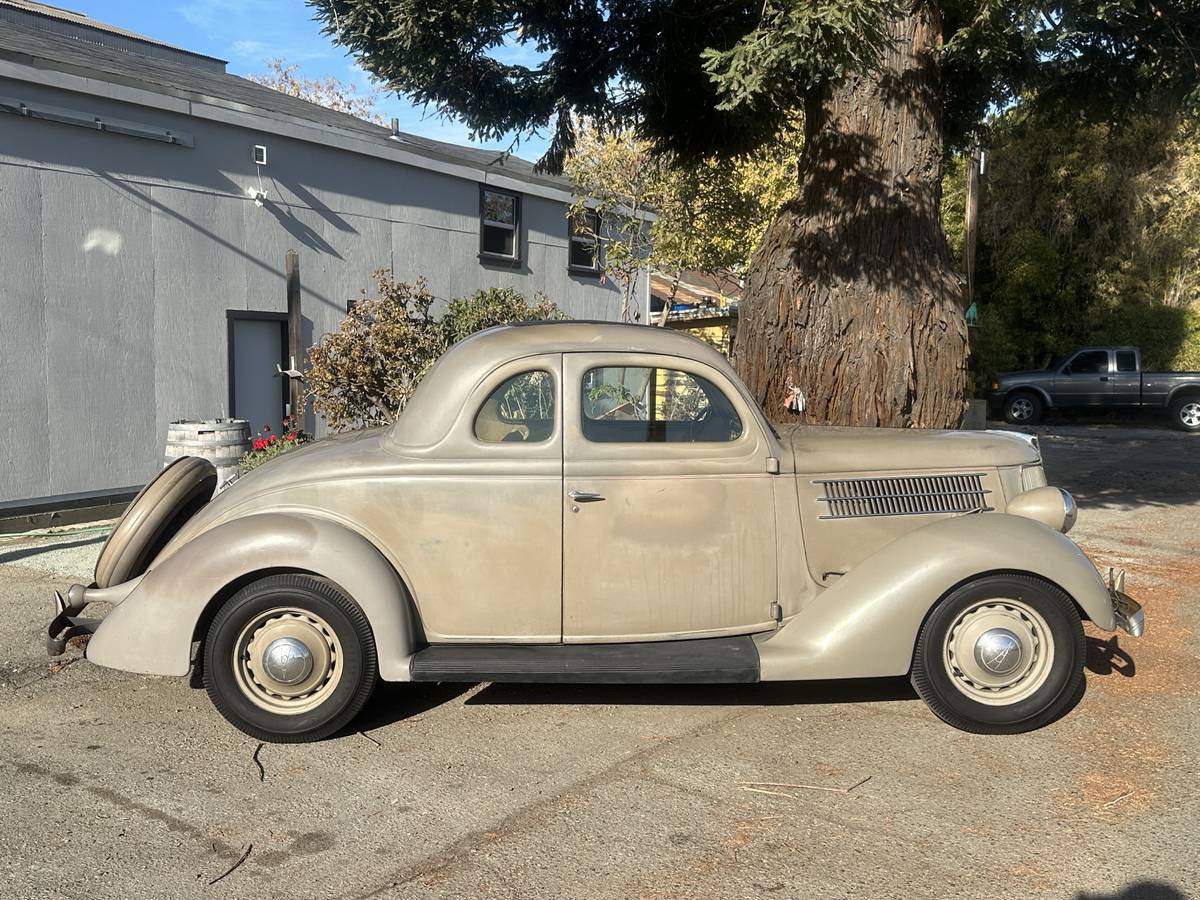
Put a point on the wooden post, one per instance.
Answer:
(294, 325)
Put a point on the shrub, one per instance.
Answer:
(267, 445)
(364, 373)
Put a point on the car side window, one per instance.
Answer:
(1126, 361)
(642, 404)
(1090, 362)
(521, 409)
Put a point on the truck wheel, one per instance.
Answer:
(1000, 655)
(1023, 408)
(289, 658)
(1185, 413)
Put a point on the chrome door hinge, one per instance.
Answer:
(772, 465)
(777, 612)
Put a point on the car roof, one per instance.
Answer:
(439, 398)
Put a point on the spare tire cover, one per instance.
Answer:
(154, 517)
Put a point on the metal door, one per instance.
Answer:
(1085, 380)
(257, 344)
(668, 516)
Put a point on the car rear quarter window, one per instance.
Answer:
(1126, 361)
(520, 410)
(641, 404)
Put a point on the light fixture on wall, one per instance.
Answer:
(260, 155)
(258, 195)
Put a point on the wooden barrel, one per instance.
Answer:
(221, 441)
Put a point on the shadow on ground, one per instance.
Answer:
(1141, 890)
(394, 702)
(1107, 657)
(26, 552)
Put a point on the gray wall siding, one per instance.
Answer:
(122, 256)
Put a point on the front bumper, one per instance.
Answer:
(1129, 615)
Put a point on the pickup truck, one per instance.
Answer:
(1095, 378)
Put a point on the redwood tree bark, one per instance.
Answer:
(853, 298)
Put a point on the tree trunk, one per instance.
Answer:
(852, 298)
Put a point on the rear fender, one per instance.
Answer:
(866, 624)
(152, 629)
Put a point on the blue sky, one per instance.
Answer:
(248, 32)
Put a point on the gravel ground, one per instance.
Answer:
(120, 785)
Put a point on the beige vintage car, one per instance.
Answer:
(582, 502)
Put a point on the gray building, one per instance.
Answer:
(147, 201)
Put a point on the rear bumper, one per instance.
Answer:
(67, 622)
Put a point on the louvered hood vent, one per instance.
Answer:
(851, 498)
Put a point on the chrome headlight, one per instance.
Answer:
(1049, 505)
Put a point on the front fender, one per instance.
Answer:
(151, 630)
(866, 624)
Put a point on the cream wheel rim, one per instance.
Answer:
(287, 660)
(998, 652)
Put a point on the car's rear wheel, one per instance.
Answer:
(1185, 413)
(1023, 408)
(1000, 655)
(289, 658)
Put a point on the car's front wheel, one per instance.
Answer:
(1000, 655)
(289, 658)
(1023, 408)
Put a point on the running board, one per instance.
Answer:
(731, 660)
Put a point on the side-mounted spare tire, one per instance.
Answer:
(154, 517)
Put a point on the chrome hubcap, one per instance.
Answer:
(998, 651)
(1189, 415)
(1021, 408)
(287, 660)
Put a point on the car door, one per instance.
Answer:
(1085, 380)
(668, 510)
(1127, 379)
(482, 517)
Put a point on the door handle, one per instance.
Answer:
(584, 496)
(1104, 378)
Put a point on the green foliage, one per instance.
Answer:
(1089, 233)
(698, 78)
(364, 373)
(708, 215)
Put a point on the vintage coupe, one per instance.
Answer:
(585, 502)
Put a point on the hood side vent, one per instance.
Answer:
(921, 495)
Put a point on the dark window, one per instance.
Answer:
(585, 242)
(641, 405)
(1090, 362)
(1126, 361)
(499, 224)
(521, 409)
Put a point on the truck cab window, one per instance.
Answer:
(1126, 361)
(1090, 362)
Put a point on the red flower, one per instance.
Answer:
(260, 444)
(291, 437)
